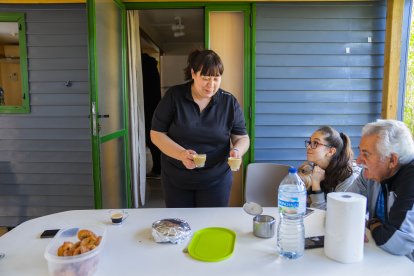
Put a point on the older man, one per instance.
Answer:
(386, 153)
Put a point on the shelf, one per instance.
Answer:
(9, 60)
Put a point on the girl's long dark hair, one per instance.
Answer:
(208, 61)
(340, 166)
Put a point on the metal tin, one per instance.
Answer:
(264, 226)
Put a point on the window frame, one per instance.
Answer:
(20, 20)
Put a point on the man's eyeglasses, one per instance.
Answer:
(314, 144)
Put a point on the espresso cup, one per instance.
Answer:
(264, 226)
(234, 163)
(118, 216)
(199, 160)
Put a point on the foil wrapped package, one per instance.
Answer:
(170, 230)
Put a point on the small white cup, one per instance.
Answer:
(118, 216)
(200, 160)
(234, 163)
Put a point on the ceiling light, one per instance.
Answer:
(179, 34)
(178, 27)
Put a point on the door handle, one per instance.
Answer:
(94, 124)
(100, 116)
(95, 116)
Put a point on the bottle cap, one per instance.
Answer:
(292, 170)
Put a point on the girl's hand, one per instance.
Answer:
(318, 175)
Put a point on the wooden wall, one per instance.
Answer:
(45, 156)
(305, 78)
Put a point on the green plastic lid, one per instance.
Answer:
(212, 244)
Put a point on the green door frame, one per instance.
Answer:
(249, 49)
(94, 124)
(248, 93)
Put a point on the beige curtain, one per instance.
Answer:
(138, 150)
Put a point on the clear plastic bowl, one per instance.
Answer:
(85, 264)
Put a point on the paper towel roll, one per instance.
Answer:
(345, 227)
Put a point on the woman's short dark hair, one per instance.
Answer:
(206, 61)
(340, 166)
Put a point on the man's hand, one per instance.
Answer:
(373, 223)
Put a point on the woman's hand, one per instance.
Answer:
(234, 152)
(186, 156)
(318, 175)
(172, 149)
(240, 145)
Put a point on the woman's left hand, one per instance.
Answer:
(318, 174)
(240, 145)
(235, 153)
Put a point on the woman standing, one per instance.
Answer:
(198, 117)
(331, 154)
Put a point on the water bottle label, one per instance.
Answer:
(289, 207)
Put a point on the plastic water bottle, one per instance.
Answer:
(292, 208)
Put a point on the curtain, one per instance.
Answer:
(138, 150)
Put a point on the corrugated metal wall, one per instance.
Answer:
(45, 156)
(305, 78)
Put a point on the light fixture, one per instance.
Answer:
(179, 33)
(178, 27)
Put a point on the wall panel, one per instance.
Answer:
(305, 77)
(45, 156)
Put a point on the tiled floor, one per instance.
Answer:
(154, 197)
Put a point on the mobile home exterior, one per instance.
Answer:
(313, 63)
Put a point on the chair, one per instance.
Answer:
(262, 182)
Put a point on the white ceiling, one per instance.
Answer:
(157, 24)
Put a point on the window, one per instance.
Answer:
(13, 64)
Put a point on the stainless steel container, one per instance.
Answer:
(264, 226)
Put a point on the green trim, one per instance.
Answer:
(249, 10)
(253, 86)
(247, 73)
(207, 28)
(228, 7)
(94, 81)
(176, 5)
(120, 5)
(93, 84)
(163, 5)
(248, 99)
(113, 135)
(127, 157)
(248, 67)
(25, 107)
